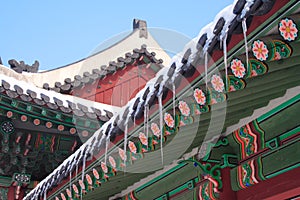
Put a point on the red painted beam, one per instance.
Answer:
(227, 193)
(280, 187)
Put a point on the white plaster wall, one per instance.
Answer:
(101, 58)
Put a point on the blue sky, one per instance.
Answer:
(60, 32)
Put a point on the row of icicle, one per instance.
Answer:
(146, 113)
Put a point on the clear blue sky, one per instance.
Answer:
(60, 32)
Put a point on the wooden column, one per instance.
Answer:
(227, 193)
(12, 193)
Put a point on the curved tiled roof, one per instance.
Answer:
(210, 37)
(66, 104)
(99, 73)
(98, 58)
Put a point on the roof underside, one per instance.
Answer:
(252, 93)
(241, 104)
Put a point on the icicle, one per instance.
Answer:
(106, 149)
(83, 172)
(125, 144)
(174, 98)
(76, 172)
(145, 117)
(244, 25)
(147, 126)
(161, 127)
(225, 59)
(70, 177)
(206, 63)
(99, 144)
(83, 167)
(146, 121)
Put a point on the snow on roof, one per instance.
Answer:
(87, 77)
(66, 99)
(153, 87)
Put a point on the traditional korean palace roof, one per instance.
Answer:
(41, 127)
(100, 63)
(48, 126)
(232, 79)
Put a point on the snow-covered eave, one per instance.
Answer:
(273, 104)
(154, 86)
(27, 88)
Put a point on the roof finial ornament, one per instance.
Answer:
(142, 26)
(21, 66)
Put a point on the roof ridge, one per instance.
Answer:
(102, 71)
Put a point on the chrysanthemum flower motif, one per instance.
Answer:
(238, 68)
(112, 161)
(217, 83)
(69, 193)
(288, 29)
(75, 188)
(62, 196)
(104, 167)
(132, 147)
(122, 154)
(199, 96)
(260, 50)
(143, 138)
(89, 179)
(184, 108)
(169, 120)
(95, 173)
(155, 129)
(81, 184)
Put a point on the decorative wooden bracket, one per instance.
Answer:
(212, 171)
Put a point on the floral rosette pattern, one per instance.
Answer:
(122, 154)
(184, 108)
(104, 167)
(260, 50)
(132, 147)
(288, 29)
(169, 120)
(199, 96)
(155, 129)
(217, 83)
(112, 162)
(143, 138)
(238, 68)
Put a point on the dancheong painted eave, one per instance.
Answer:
(183, 64)
(66, 103)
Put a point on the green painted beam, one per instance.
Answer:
(278, 109)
